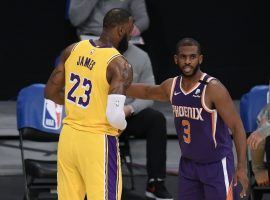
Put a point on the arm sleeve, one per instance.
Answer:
(146, 76)
(139, 12)
(115, 111)
(80, 10)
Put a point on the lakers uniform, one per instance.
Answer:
(88, 154)
(207, 165)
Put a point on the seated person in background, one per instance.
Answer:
(87, 15)
(256, 141)
(142, 120)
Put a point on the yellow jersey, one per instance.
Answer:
(86, 87)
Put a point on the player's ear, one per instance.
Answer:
(121, 31)
(175, 59)
(201, 59)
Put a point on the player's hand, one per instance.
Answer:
(120, 132)
(261, 178)
(255, 139)
(241, 176)
(128, 110)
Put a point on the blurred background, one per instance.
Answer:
(234, 36)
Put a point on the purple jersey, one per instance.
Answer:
(203, 135)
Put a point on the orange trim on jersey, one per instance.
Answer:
(210, 79)
(193, 88)
(203, 97)
(203, 102)
(214, 126)
(230, 192)
(172, 88)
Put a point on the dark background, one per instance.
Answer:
(234, 36)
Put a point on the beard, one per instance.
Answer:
(123, 44)
(192, 73)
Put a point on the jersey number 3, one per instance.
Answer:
(186, 135)
(84, 100)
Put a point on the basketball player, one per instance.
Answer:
(95, 77)
(203, 111)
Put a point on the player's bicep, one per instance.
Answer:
(223, 103)
(56, 81)
(119, 76)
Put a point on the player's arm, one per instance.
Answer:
(119, 75)
(54, 89)
(155, 92)
(219, 97)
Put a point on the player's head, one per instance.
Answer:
(188, 56)
(119, 23)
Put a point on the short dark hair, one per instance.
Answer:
(115, 17)
(188, 42)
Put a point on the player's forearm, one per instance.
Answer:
(240, 145)
(139, 90)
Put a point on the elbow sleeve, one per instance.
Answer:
(115, 111)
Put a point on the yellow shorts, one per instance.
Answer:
(88, 164)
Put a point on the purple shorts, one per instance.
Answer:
(207, 181)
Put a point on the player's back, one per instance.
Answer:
(86, 87)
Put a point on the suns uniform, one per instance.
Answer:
(88, 155)
(207, 165)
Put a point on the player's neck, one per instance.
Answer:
(106, 40)
(189, 81)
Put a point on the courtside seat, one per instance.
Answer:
(251, 104)
(40, 168)
(39, 122)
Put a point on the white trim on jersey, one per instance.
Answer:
(172, 88)
(214, 126)
(113, 57)
(213, 113)
(193, 88)
(225, 172)
(106, 160)
(75, 46)
(203, 95)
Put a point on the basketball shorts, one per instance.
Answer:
(89, 164)
(210, 181)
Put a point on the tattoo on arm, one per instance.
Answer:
(127, 76)
(121, 78)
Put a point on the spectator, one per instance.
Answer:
(256, 141)
(87, 15)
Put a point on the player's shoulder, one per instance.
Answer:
(168, 83)
(71, 48)
(119, 63)
(215, 86)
